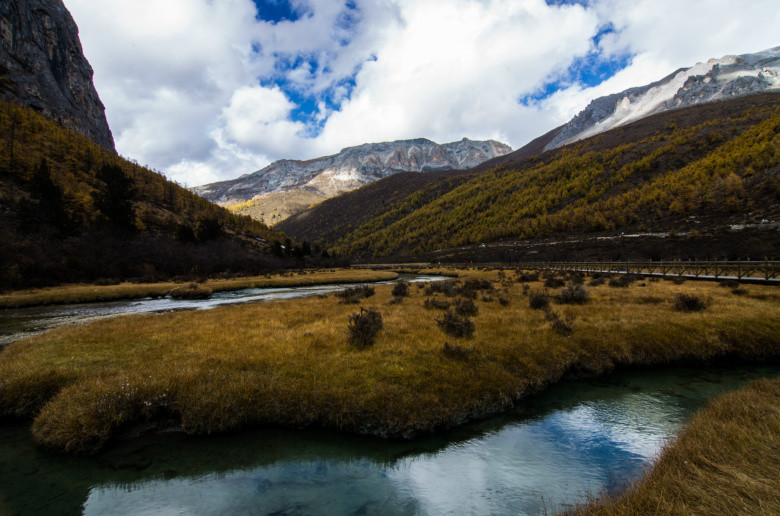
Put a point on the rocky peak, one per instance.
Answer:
(42, 66)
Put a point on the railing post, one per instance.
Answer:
(766, 268)
(739, 269)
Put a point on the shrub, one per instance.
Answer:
(435, 303)
(466, 307)
(554, 282)
(456, 352)
(442, 287)
(355, 294)
(455, 325)
(729, 283)
(677, 280)
(525, 277)
(526, 289)
(595, 282)
(477, 284)
(191, 291)
(503, 301)
(739, 291)
(401, 289)
(539, 300)
(573, 294)
(689, 303)
(562, 326)
(363, 328)
(623, 280)
(396, 300)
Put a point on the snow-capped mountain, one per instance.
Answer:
(717, 79)
(353, 167)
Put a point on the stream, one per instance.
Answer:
(18, 323)
(572, 440)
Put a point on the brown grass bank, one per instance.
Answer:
(289, 363)
(725, 462)
(66, 294)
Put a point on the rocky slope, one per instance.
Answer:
(717, 79)
(353, 167)
(42, 66)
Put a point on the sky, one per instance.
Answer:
(208, 90)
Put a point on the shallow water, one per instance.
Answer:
(19, 323)
(574, 439)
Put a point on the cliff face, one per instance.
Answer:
(42, 66)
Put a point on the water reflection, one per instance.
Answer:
(575, 439)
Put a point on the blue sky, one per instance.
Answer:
(207, 90)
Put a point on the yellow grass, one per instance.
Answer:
(725, 462)
(95, 293)
(288, 362)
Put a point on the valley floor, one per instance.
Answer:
(290, 362)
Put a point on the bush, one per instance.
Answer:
(355, 294)
(554, 282)
(525, 277)
(729, 284)
(623, 280)
(539, 300)
(401, 289)
(689, 303)
(363, 328)
(396, 300)
(467, 308)
(455, 325)
(503, 301)
(595, 282)
(442, 287)
(191, 291)
(477, 284)
(677, 280)
(739, 291)
(435, 303)
(561, 326)
(456, 352)
(573, 294)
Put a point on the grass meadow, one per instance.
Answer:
(290, 362)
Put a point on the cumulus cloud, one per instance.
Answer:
(208, 90)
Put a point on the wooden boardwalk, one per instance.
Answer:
(766, 271)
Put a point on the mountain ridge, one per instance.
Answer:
(352, 167)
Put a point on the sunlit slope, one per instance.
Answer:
(704, 162)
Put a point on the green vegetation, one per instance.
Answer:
(291, 363)
(721, 166)
(725, 462)
(72, 211)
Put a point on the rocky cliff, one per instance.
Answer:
(353, 167)
(42, 66)
(717, 79)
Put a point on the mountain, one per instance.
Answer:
(698, 171)
(717, 79)
(42, 66)
(321, 178)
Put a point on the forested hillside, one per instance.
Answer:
(699, 167)
(72, 211)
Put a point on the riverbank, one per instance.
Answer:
(67, 294)
(290, 363)
(725, 462)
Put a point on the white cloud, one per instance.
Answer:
(189, 84)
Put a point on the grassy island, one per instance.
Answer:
(725, 462)
(291, 362)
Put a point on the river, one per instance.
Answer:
(574, 439)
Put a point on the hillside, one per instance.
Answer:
(72, 211)
(697, 169)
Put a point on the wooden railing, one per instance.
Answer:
(767, 270)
